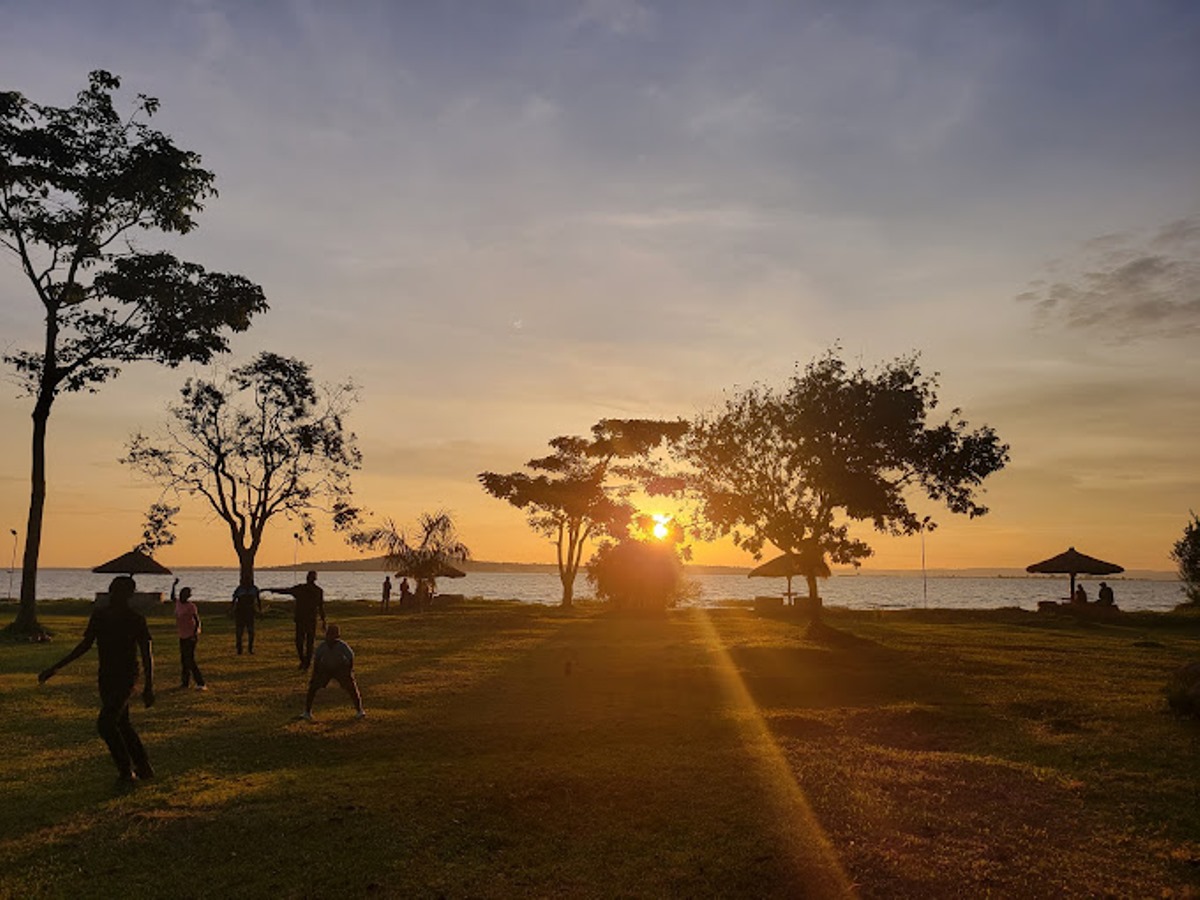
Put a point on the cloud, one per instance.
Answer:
(1129, 286)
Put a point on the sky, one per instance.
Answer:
(508, 220)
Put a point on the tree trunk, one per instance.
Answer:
(27, 620)
(245, 565)
(567, 577)
(814, 600)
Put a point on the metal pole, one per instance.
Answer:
(295, 554)
(12, 563)
(924, 577)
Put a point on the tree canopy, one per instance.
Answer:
(78, 185)
(795, 467)
(582, 489)
(1186, 554)
(261, 442)
(424, 553)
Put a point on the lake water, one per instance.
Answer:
(853, 591)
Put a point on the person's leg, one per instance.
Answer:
(310, 633)
(314, 684)
(133, 743)
(187, 647)
(241, 628)
(350, 684)
(250, 634)
(300, 645)
(185, 669)
(114, 702)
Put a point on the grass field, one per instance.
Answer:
(515, 750)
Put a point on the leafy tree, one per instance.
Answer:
(76, 184)
(582, 489)
(795, 467)
(156, 531)
(261, 442)
(1186, 554)
(424, 554)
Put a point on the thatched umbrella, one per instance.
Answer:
(1073, 563)
(789, 565)
(426, 570)
(135, 562)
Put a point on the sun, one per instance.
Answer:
(660, 529)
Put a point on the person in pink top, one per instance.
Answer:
(187, 621)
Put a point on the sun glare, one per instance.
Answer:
(660, 529)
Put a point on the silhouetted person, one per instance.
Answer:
(333, 661)
(405, 593)
(119, 633)
(187, 623)
(1080, 596)
(1105, 596)
(310, 603)
(247, 603)
(387, 591)
(423, 593)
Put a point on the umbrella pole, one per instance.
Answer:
(789, 590)
(1072, 597)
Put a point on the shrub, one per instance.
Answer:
(637, 575)
(1186, 554)
(1183, 690)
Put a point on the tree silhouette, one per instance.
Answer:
(260, 443)
(582, 489)
(795, 467)
(425, 554)
(76, 185)
(156, 529)
(1186, 554)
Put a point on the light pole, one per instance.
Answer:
(924, 577)
(12, 563)
(295, 553)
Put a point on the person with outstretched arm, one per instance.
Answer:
(119, 633)
(310, 603)
(187, 623)
(333, 661)
(247, 603)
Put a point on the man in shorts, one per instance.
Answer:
(119, 633)
(333, 661)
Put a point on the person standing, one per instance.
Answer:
(187, 623)
(333, 661)
(387, 591)
(247, 603)
(119, 633)
(310, 603)
(405, 593)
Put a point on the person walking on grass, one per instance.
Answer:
(387, 591)
(119, 633)
(333, 661)
(187, 623)
(247, 603)
(310, 603)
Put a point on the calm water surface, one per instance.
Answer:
(853, 591)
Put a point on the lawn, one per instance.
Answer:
(514, 750)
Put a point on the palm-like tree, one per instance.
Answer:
(426, 553)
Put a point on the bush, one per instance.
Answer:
(637, 575)
(1186, 554)
(1183, 690)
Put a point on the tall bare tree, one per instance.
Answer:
(77, 184)
(260, 443)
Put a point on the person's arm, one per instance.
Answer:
(174, 584)
(321, 605)
(147, 663)
(84, 645)
(195, 621)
